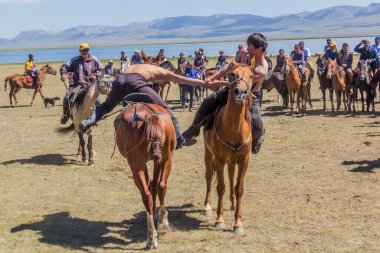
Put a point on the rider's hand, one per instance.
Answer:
(63, 78)
(215, 85)
(92, 78)
(344, 65)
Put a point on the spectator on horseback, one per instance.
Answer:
(327, 47)
(108, 69)
(181, 60)
(190, 72)
(29, 70)
(222, 60)
(299, 60)
(280, 61)
(83, 68)
(269, 60)
(331, 52)
(367, 53)
(200, 62)
(241, 55)
(307, 56)
(124, 61)
(136, 58)
(344, 60)
(161, 55)
(257, 45)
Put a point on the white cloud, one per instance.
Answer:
(19, 1)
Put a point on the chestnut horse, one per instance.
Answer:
(338, 78)
(83, 101)
(145, 132)
(18, 81)
(229, 141)
(296, 87)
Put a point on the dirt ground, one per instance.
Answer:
(314, 187)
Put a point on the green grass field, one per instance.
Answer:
(314, 187)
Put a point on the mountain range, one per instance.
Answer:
(334, 22)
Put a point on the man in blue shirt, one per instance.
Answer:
(307, 56)
(376, 46)
(331, 53)
(188, 88)
(136, 58)
(367, 53)
(327, 47)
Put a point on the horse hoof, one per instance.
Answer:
(151, 245)
(208, 213)
(163, 229)
(220, 226)
(232, 208)
(239, 231)
(90, 163)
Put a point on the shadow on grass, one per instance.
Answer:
(365, 165)
(48, 159)
(60, 229)
(8, 106)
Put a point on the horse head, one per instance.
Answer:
(240, 78)
(181, 69)
(168, 66)
(104, 83)
(332, 68)
(364, 69)
(289, 65)
(48, 69)
(322, 66)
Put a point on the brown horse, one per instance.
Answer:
(228, 141)
(296, 87)
(18, 81)
(338, 77)
(150, 137)
(84, 98)
(277, 81)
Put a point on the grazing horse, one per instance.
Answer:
(338, 77)
(18, 81)
(145, 132)
(82, 103)
(296, 87)
(228, 141)
(363, 83)
(325, 84)
(277, 80)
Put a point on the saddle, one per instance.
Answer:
(137, 98)
(29, 79)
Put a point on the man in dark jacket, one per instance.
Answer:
(299, 60)
(83, 69)
(344, 60)
(367, 53)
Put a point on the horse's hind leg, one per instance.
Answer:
(89, 148)
(324, 99)
(209, 159)
(14, 94)
(309, 94)
(11, 95)
(163, 221)
(79, 150)
(231, 174)
(242, 168)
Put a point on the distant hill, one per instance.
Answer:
(335, 21)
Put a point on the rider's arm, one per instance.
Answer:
(357, 49)
(170, 76)
(222, 72)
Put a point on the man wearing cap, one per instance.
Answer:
(344, 60)
(222, 60)
(299, 60)
(137, 79)
(241, 55)
(83, 69)
(136, 58)
(124, 61)
(30, 68)
(327, 47)
(307, 56)
(367, 53)
(331, 53)
(108, 69)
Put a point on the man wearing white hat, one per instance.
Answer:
(136, 58)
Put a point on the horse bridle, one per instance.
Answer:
(239, 94)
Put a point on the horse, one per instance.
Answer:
(179, 71)
(228, 141)
(337, 75)
(296, 87)
(277, 80)
(144, 132)
(19, 81)
(324, 82)
(362, 83)
(82, 103)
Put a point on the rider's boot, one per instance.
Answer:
(93, 118)
(194, 130)
(66, 113)
(180, 140)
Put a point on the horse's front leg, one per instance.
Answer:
(220, 188)
(41, 94)
(332, 99)
(309, 94)
(231, 175)
(208, 174)
(89, 148)
(34, 96)
(82, 145)
(324, 98)
(239, 189)
(362, 98)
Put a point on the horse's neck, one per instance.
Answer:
(43, 75)
(88, 102)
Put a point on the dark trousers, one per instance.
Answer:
(188, 90)
(219, 98)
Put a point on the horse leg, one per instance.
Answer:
(89, 148)
(344, 100)
(14, 94)
(79, 150)
(41, 94)
(291, 98)
(209, 174)
(324, 99)
(221, 187)
(298, 99)
(163, 222)
(10, 95)
(362, 98)
(332, 99)
(309, 94)
(140, 180)
(167, 92)
(231, 174)
(34, 96)
(82, 143)
(239, 189)
(338, 99)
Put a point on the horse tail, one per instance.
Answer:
(155, 134)
(65, 130)
(6, 82)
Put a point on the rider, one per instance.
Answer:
(161, 55)
(30, 71)
(83, 69)
(241, 55)
(367, 53)
(327, 47)
(123, 60)
(299, 60)
(181, 60)
(331, 52)
(222, 59)
(135, 79)
(200, 62)
(344, 60)
(108, 69)
(269, 60)
(136, 58)
(257, 44)
(307, 55)
(280, 61)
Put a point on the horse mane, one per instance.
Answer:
(80, 96)
(167, 65)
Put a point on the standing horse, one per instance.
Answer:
(325, 84)
(228, 141)
(145, 132)
(296, 87)
(338, 78)
(18, 81)
(82, 103)
(363, 84)
(277, 80)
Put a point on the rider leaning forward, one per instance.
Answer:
(83, 69)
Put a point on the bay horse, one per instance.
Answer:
(81, 105)
(296, 87)
(19, 81)
(337, 75)
(277, 81)
(325, 84)
(144, 132)
(228, 141)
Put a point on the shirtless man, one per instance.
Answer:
(257, 45)
(135, 79)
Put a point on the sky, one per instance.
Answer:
(57, 15)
